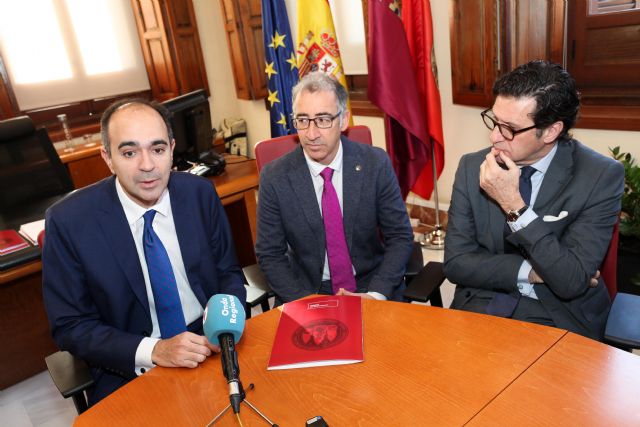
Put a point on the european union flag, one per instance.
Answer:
(280, 65)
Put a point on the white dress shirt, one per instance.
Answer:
(318, 185)
(528, 216)
(165, 229)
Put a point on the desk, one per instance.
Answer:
(84, 163)
(577, 382)
(423, 365)
(24, 329)
(237, 190)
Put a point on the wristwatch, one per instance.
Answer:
(513, 215)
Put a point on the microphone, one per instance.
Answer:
(223, 323)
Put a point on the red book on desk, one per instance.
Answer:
(318, 331)
(11, 241)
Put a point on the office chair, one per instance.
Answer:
(258, 290)
(623, 324)
(425, 285)
(69, 374)
(270, 149)
(32, 177)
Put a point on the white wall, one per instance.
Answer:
(217, 61)
(463, 129)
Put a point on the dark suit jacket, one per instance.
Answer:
(291, 239)
(93, 286)
(566, 253)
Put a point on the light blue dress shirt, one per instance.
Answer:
(529, 216)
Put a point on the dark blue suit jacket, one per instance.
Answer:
(291, 238)
(93, 285)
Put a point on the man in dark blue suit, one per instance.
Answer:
(112, 297)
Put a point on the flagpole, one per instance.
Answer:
(435, 239)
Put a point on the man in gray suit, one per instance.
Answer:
(369, 239)
(531, 217)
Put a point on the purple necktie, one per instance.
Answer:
(337, 251)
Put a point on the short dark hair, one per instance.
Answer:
(126, 103)
(551, 86)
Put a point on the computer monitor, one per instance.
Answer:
(32, 177)
(191, 123)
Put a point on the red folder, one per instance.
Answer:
(318, 331)
(11, 241)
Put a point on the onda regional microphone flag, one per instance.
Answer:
(317, 42)
(281, 66)
(416, 16)
(393, 88)
(223, 323)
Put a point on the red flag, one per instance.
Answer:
(416, 16)
(393, 88)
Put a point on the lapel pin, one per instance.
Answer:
(358, 168)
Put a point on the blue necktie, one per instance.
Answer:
(525, 191)
(525, 183)
(163, 282)
(504, 304)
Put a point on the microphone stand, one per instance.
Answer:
(251, 387)
(435, 239)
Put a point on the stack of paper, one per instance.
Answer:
(31, 230)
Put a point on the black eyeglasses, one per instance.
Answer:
(321, 122)
(505, 130)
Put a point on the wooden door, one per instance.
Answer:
(243, 25)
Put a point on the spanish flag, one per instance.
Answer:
(317, 42)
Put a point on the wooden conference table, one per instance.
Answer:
(423, 366)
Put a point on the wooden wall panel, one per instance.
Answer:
(243, 25)
(604, 59)
(192, 75)
(474, 50)
(155, 49)
(8, 103)
(171, 47)
(185, 45)
(491, 37)
(534, 30)
(235, 42)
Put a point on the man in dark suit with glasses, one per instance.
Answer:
(331, 219)
(531, 217)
